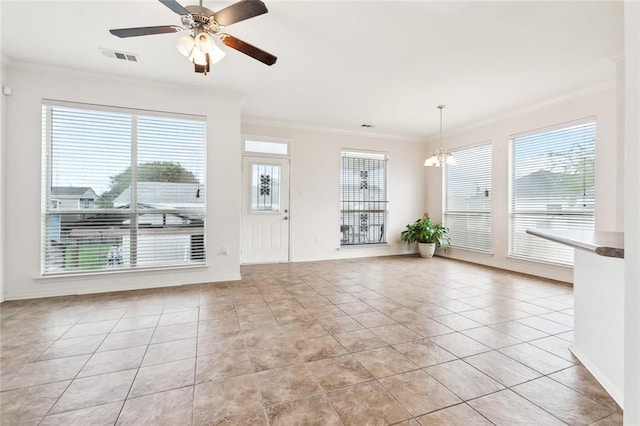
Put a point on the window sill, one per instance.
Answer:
(540, 262)
(364, 246)
(107, 272)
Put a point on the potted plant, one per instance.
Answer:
(427, 234)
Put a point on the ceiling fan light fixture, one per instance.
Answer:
(198, 57)
(216, 54)
(205, 42)
(185, 45)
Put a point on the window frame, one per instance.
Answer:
(133, 211)
(382, 239)
(512, 214)
(446, 212)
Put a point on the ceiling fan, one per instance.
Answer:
(206, 26)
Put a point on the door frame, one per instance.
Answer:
(266, 156)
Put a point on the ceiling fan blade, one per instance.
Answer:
(143, 31)
(248, 49)
(175, 6)
(240, 11)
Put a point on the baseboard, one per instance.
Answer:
(616, 392)
(110, 288)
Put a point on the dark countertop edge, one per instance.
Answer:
(608, 244)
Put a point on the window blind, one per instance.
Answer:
(121, 190)
(467, 203)
(552, 186)
(363, 198)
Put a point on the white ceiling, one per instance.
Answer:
(345, 63)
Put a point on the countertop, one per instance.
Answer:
(609, 244)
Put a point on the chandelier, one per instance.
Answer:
(441, 156)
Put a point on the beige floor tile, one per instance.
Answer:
(373, 319)
(359, 340)
(126, 339)
(73, 346)
(384, 361)
(257, 321)
(366, 404)
(354, 308)
(490, 337)
(222, 365)
(342, 324)
(506, 408)
(278, 342)
(502, 368)
(95, 390)
(459, 344)
(556, 346)
(90, 329)
(175, 332)
(235, 400)
(579, 379)
(427, 327)
(100, 415)
(457, 322)
(615, 419)
(535, 358)
(286, 384)
(424, 353)
(41, 372)
(163, 377)
(316, 348)
(561, 401)
(312, 411)
(544, 325)
(334, 373)
(174, 407)
(29, 405)
(418, 392)
(395, 333)
(175, 350)
(112, 361)
(136, 323)
(458, 415)
(519, 331)
(463, 380)
(180, 317)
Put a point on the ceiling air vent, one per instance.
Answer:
(120, 55)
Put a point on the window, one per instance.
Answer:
(265, 147)
(122, 189)
(552, 186)
(363, 198)
(467, 201)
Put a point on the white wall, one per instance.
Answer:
(602, 106)
(2, 167)
(632, 213)
(23, 163)
(315, 189)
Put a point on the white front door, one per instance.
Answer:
(265, 210)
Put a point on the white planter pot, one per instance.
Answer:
(426, 249)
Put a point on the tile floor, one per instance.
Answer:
(396, 340)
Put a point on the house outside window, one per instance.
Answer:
(363, 198)
(553, 187)
(121, 189)
(468, 197)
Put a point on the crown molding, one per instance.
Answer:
(253, 121)
(38, 68)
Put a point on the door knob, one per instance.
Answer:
(286, 218)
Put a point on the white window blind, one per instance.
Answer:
(467, 203)
(363, 198)
(552, 186)
(121, 189)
